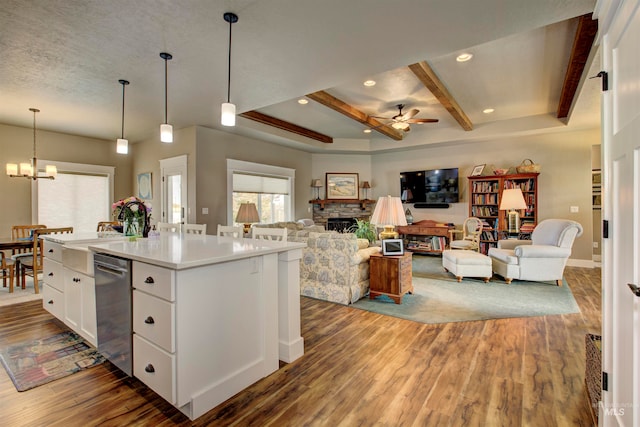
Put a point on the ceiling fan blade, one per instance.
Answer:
(383, 118)
(409, 114)
(422, 121)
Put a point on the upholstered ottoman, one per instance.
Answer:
(467, 263)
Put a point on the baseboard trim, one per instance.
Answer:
(584, 263)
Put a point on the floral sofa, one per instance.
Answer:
(334, 266)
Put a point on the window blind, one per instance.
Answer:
(260, 184)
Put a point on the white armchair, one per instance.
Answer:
(542, 258)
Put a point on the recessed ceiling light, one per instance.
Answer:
(464, 57)
(303, 101)
(488, 110)
(367, 131)
(369, 83)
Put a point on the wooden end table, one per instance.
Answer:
(390, 275)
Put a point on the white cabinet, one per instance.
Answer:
(53, 281)
(53, 301)
(80, 304)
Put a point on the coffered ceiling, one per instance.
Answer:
(65, 57)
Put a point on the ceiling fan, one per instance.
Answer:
(401, 121)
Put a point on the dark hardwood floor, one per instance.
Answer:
(359, 369)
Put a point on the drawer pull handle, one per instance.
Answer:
(50, 251)
(149, 320)
(149, 280)
(50, 274)
(50, 302)
(149, 368)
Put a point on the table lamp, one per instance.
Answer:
(511, 200)
(366, 186)
(316, 183)
(388, 213)
(406, 195)
(247, 214)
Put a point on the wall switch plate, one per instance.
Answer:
(205, 211)
(574, 209)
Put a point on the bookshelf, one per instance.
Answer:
(484, 201)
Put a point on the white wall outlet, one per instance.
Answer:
(205, 211)
(574, 209)
(595, 245)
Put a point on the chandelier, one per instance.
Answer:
(30, 170)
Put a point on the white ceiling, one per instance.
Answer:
(65, 57)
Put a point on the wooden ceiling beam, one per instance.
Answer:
(353, 113)
(430, 80)
(582, 43)
(287, 126)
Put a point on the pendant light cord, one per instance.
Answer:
(122, 135)
(229, 74)
(34, 132)
(165, 91)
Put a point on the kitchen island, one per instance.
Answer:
(211, 315)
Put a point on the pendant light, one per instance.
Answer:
(30, 170)
(166, 130)
(228, 117)
(122, 145)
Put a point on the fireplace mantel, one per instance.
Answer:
(362, 202)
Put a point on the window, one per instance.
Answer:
(80, 197)
(269, 187)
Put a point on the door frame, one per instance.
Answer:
(169, 167)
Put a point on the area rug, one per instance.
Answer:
(19, 295)
(38, 362)
(439, 298)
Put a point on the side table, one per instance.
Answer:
(390, 275)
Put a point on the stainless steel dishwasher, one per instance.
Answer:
(113, 310)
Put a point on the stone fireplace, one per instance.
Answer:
(341, 213)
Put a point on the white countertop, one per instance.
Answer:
(181, 251)
(87, 237)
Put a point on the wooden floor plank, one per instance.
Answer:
(359, 368)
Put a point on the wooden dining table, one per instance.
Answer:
(8, 243)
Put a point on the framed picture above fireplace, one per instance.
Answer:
(342, 186)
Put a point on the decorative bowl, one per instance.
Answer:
(500, 171)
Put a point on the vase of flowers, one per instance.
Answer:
(134, 214)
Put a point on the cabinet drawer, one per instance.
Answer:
(53, 250)
(154, 280)
(53, 274)
(53, 301)
(154, 319)
(155, 367)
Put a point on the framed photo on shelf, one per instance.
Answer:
(342, 186)
(477, 170)
(144, 186)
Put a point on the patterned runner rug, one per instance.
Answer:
(38, 362)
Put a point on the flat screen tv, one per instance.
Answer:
(430, 186)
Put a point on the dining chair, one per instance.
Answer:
(194, 228)
(230, 231)
(35, 261)
(107, 225)
(164, 227)
(279, 234)
(22, 232)
(6, 266)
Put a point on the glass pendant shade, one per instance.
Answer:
(25, 168)
(122, 146)
(166, 133)
(12, 169)
(228, 114)
(51, 171)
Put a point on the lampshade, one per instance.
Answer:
(316, 183)
(512, 198)
(247, 214)
(122, 146)
(51, 171)
(166, 130)
(388, 213)
(228, 110)
(366, 184)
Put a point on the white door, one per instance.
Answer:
(621, 256)
(174, 189)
